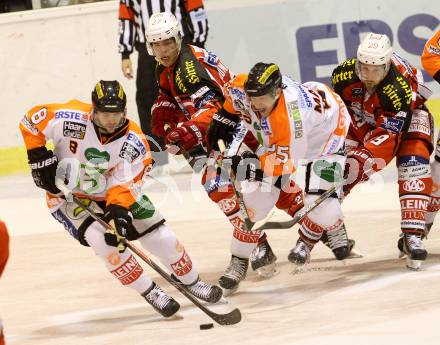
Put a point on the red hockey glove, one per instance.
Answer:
(187, 136)
(360, 165)
(164, 113)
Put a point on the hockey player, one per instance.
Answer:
(294, 124)
(191, 83)
(385, 96)
(113, 157)
(4, 254)
(431, 64)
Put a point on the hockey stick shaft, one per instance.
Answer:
(230, 318)
(248, 223)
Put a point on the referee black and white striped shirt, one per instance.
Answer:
(134, 15)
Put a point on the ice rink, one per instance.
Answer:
(54, 291)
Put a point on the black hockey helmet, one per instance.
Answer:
(109, 96)
(262, 79)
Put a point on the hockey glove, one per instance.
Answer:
(163, 113)
(221, 127)
(123, 221)
(359, 166)
(187, 136)
(245, 167)
(43, 164)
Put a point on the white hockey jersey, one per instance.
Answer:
(309, 121)
(111, 167)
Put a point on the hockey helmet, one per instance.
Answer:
(109, 96)
(263, 78)
(375, 49)
(162, 26)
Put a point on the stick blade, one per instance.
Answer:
(230, 318)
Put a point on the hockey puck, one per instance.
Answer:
(206, 326)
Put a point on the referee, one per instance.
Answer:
(133, 18)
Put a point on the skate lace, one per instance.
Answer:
(201, 289)
(260, 251)
(236, 269)
(302, 249)
(337, 238)
(414, 242)
(158, 298)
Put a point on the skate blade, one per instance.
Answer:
(268, 271)
(354, 254)
(401, 255)
(413, 265)
(300, 268)
(228, 292)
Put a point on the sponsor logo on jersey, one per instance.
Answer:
(410, 161)
(29, 125)
(191, 74)
(113, 258)
(265, 126)
(292, 108)
(237, 93)
(434, 50)
(71, 115)
(129, 152)
(413, 186)
(304, 99)
(143, 208)
(134, 138)
(39, 116)
(68, 225)
(415, 204)
(420, 122)
(95, 156)
(211, 59)
(394, 94)
(341, 76)
(356, 92)
(204, 100)
(330, 172)
(227, 205)
(392, 124)
(74, 130)
(183, 265)
(199, 93)
(179, 81)
(129, 271)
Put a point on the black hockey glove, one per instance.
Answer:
(245, 167)
(43, 164)
(123, 220)
(221, 127)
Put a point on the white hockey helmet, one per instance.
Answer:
(162, 26)
(375, 49)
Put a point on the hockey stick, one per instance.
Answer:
(192, 161)
(230, 318)
(250, 225)
(302, 213)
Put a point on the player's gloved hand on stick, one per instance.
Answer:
(359, 166)
(164, 116)
(43, 164)
(222, 127)
(123, 222)
(187, 136)
(245, 166)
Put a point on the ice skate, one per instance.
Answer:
(234, 274)
(263, 260)
(160, 301)
(411, 245)
(339, 243)
(300, 254)
(205, 291)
